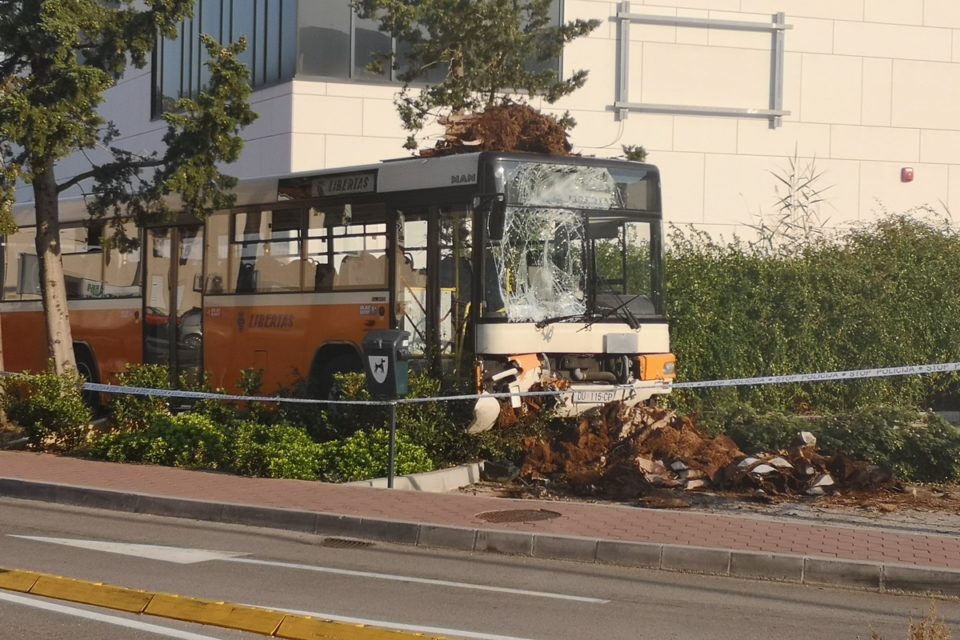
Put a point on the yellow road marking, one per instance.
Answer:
(222, 614)
(14, 580)
(305, 628)
(95, 593)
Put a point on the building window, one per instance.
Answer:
(285, 38)
(269, 26)
(335, 43)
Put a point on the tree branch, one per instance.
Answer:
(100, 170)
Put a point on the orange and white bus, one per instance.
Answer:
(506, 269)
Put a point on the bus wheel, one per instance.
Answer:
(321, 377)
(87, 369)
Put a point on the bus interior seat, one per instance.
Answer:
(324, 276)
(362, 270)
(410, 277)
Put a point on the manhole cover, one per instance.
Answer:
(518, 515)
(345, 543)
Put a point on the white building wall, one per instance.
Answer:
(872, 87)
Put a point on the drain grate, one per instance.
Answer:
(345, 543)
(518, 515)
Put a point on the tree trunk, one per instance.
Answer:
(52, 288)
(3, 415)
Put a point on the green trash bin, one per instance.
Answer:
(386, 362)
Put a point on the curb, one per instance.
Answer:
(266, 622)
(808, 570)
(431, 481)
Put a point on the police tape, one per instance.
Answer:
(828, 376)
(855, 374)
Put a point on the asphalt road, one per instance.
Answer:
(442, 593)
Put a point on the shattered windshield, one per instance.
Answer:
(564, 252)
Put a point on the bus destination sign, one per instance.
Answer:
(344, 184)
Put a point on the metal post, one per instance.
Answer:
(623, 52)
(393, 443)
(779, 23)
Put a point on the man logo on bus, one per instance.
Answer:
(378, 367)
(463, 178)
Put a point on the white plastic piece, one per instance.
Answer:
(515, 401)
(762, 469)
(506, 373)
(780, 463)
(485, 414)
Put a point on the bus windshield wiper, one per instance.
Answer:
(570, 316)
(627, 315)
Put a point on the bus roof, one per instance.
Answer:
(388, 176)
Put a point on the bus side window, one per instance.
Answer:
(121, 269)
(217, 254)
(348, 245)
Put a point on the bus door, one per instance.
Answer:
(433, 282)
(173, 299)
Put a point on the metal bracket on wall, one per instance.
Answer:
(774, 111)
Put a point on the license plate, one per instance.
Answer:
(593, 397)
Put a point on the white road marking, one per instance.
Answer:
(100, 617)
(398, 578)
(176, 555)
(399, 626)
(190, 556)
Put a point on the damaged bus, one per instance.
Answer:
(510, 271)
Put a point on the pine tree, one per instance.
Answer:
(57, 60)
(489, 53)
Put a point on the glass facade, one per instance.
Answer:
(285, 38)
(270, 27)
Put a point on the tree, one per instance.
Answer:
(57, 60)
(489, 51)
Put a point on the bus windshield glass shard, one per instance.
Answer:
(578, 243)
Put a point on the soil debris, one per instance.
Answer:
(629, 453)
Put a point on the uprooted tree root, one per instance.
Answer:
(620, 452)
(512, 127)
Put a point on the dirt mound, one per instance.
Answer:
(621, 452)
(513, 127)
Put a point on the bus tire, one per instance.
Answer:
(87, 368)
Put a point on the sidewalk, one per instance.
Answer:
(740, 546)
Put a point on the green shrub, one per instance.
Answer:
(916, 446)
(931, 451)
(136, 412)
(875, 296)
(223, 412)
(185, 440)
(275, 451)
(48, 407)
(310, 416)
(438, 427)
(755, 431)
(366, 455)
(343, 420)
